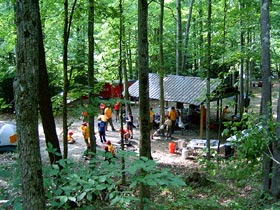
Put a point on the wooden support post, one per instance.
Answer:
(202, 110)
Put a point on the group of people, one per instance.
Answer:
(104, 120)
(169, 124)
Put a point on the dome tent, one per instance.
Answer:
(8, 137)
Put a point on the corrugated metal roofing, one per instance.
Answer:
(191, 90)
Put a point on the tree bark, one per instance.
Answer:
(179, 37)
(45, 104)
(186, 39)
(266, 88)
(122, 70)
(161, 59)
(209, 31)
(143, 66)
(275, 182)
(91, 74)
(26, 100)
(66, 78)
(241, 70)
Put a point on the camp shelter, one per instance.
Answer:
(183, 89)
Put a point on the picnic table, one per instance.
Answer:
(200, 144)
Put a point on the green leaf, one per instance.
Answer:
(81, 196)
(71, 198)
(63, 199)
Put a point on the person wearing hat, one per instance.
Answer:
(85, 131)
(70, 138)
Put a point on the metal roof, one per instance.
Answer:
(184, 89)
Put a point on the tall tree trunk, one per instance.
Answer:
(66, 35)
(27, 16)
(201, 39)
(45, 104)
(143, 66)
(129, 57)
(187, 35)
(220, 102)
(161, 59)
(91, 73)
(179, 37)
(65, 79)
(275, 181)
(266, 88)
(122, 70)
(209, 31)
(241, 70)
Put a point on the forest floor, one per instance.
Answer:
(160, 145)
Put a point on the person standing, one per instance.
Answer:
(225, 112)
(108, 114)
(173, 116)
(117, 108)
(168, 124)
(102, 108)
(85, 131)
(129, 123)
(102, 129)
(152, 120)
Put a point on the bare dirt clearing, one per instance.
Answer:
(160, 146)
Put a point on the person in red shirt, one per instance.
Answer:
(117, 108)
(126, 134)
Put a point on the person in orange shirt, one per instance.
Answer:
(152, 121)
(85, 131)
(108, 114)
(173, 117)
(111, 148)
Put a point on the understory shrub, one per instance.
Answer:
(78, 185)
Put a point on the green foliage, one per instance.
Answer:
(251, 136)
(86, 184)
(10, 181)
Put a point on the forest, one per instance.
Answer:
(53, 52)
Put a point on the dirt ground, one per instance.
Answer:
(160, 145)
